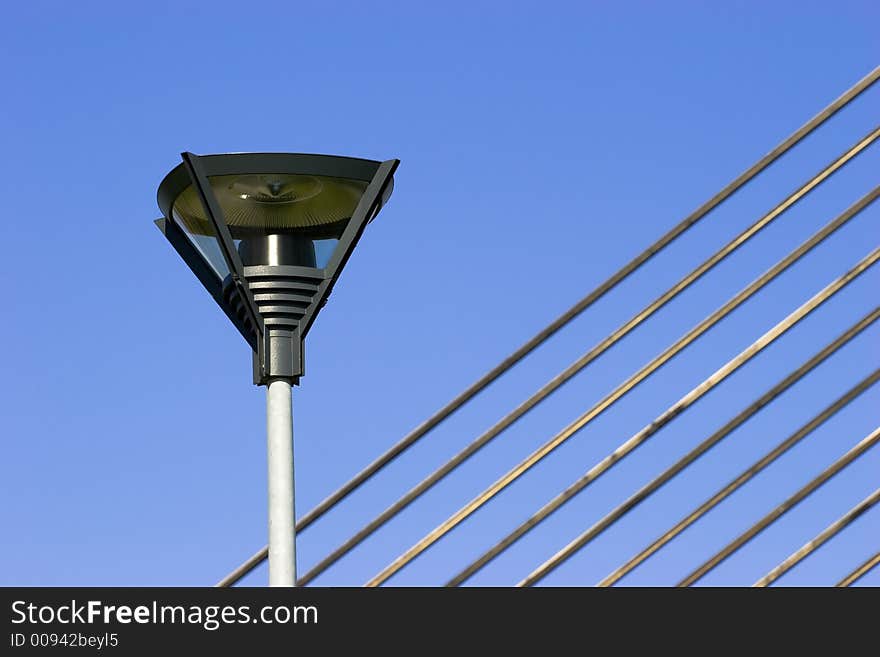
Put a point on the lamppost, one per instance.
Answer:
(268, 234)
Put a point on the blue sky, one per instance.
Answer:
(543, 145)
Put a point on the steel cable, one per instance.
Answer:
(863, 446)
(860, 572)
(823, 537)
(676, 468)
(637, 378)
(582, 362)
(745, 476)
(428, 425)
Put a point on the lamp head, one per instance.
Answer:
(268, 234)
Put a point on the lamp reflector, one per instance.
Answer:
(254, 205)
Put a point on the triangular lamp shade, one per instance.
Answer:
(268, 234)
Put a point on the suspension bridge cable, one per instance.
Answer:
(647, 490)
(581, 363)
(639, 496)
(863, 446)
(824, 536)
(536, 456)
(860, 572)
(542, 336)
(805, 430)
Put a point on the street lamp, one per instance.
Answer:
(268, 234)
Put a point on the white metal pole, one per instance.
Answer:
(279, 429)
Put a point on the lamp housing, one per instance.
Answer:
(267, 235)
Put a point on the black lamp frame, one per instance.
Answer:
(272, 306)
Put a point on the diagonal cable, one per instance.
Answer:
(823, 537)
(621, 390)
(814, 423)
(407, 441)
(615, 336)
(863, 446)
(641, 437)
(814, 302)
(860, 572)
